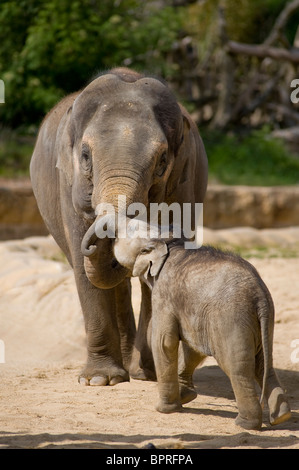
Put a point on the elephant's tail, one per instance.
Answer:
(264, 311)
(265, 343)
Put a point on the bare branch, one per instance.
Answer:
(262, 51)
(281, 22)
(266, 50)
(226, 84)
(284, 110)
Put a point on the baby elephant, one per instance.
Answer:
(215, 304)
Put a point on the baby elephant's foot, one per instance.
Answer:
(249, 423)
(169, 407)
(187, 394)
(143, 374)
(280, 415)
(279, 408)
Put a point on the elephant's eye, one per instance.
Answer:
(162, 164)
(86, 160)
(144, 251)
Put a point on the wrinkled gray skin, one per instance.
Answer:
(122, 134)
(207, 303)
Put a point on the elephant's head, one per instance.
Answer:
(140, 254)
(125, 135)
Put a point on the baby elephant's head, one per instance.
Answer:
(142, 255)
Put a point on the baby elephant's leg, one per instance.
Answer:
(279, 408)
(241, 371)
(188, 361)
(165, 344)
(250, 411)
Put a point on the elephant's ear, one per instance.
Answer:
(151, 259)
(190, 158)
(64, 147)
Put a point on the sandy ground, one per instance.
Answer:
(42, 336)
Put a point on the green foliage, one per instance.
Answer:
(255, 159)
(248, 21)
(51, 48)
(251, 20)
(48, 49)
(15, 153)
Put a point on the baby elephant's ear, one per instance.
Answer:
(158, 257)
(150, 259)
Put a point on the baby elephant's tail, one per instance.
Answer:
(265, 343)
(266, 317)
(279, 409)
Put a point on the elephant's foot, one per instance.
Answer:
(103, 376)
(249, 423)
(142, 368)
(281, 415)
(143, 374)
(187, 394)
(279, 409)
(169, 407)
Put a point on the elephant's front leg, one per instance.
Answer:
(165, 345)
(142, 364)
(104, 357)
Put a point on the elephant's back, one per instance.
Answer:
(53, 117)
(43, 160)
(43, 171)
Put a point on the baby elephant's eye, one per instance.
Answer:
(162, 164)
(144, 251)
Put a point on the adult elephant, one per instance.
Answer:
(122, 134)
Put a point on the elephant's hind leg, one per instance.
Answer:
(279, 408)
(125, 320)
(142, 365)
(241, 372)
(188, 361)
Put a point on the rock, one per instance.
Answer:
(224, 207)
(19, 214)
(258, 207)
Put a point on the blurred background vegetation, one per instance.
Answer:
(239, 96)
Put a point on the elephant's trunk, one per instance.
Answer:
(88, 246)
(101, 267)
